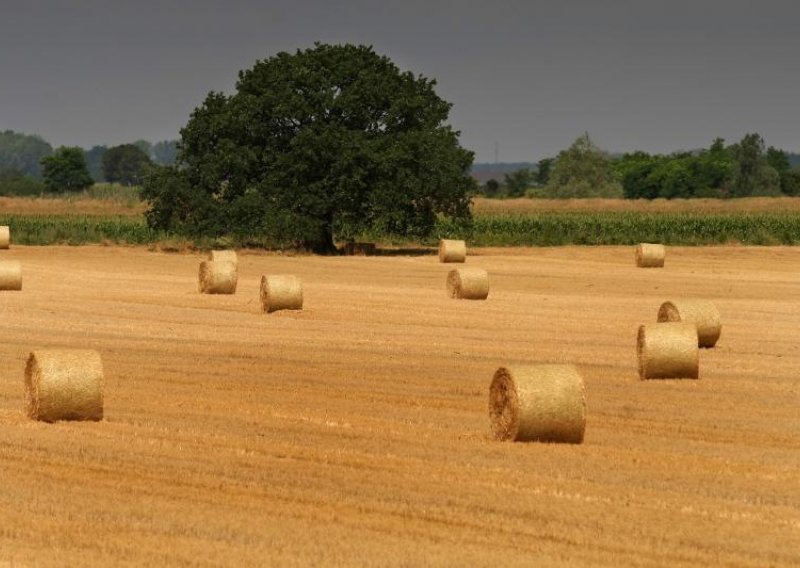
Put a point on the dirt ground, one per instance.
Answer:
(356, 432)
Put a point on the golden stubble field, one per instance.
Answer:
(356, 432)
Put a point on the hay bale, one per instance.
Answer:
(5, 237)
(224, 256)
(10, 275)
(702, 313)
(281, 292)
(545, 403)
(64, 384)
(650, 255)
(361, 249)
(468, 284)
(668, 351)
(452, 251)
(217, 277)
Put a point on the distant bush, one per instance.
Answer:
(14, 183)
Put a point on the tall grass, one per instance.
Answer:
(64, 229)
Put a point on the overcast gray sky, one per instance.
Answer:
(531, 76)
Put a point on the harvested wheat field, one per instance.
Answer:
(356, 431)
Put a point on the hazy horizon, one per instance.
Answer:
(528, 76)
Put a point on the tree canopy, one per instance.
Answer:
(66, 171)
(582, 170)
(23, 153)
(326, 142)
(126, 164)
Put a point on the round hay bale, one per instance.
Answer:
(668, 351)
(452, 251)
(468, 284)
(650, 255)
(64, 384)
(10, 275)
(545, 403)
(5, 236)
(281, 292)
(223, 256)
(702, 313)
(217, 277)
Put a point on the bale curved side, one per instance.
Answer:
(668, 351)
(545, 403)
(224, 256)
(468, 284)
(703, 313)
(650, 255)
(217, 277)
(281, 292)
(452, 251)
(5, 237)
(10, 275)
(64, 384)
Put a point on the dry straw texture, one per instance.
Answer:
(545, 403)
(281, 292)
(224, 256)
(452, 251)
(668, 351)
(5, 237)
(468, 284)
(64, 384)
(217, 277)
(10, 275)
(701, 313)
(650, 255)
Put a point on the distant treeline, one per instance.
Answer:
(21, 158)
(745, 168)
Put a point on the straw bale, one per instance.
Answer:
(468, 284)
(281, 292)
(702, 313)
(5, 237)
(223, 256)
(452, 251)
(668, 351)
(545, 403)
(64, 384)
(217, 277)
(10, 275)
(650, 255)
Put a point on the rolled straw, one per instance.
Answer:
(545, 403)
(281, 292)
(452, 251)
(217, 277)
(64, 384)
(468, 284)
(701, 313)
(5, 236)
(668, 351)
(10, 275)
(223, 256)
(650, 255)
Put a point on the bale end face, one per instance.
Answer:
(544, 403)
(64, 385)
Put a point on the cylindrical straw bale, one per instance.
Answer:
(64, 384)
(281, 292)
(468, 284)
(223, 256)
(650, 255)
(218, 277)
(702, 313)
(668, 351)
(452, 251)
(10, 275)
(5, 237)
(545, 403)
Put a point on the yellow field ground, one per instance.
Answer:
(356, 432)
